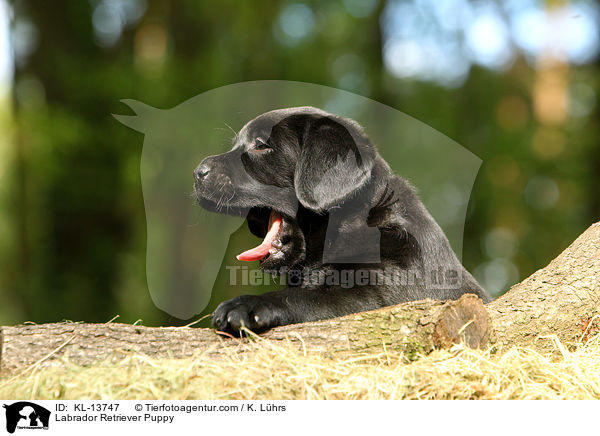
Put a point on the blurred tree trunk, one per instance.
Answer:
(68, 174)
(374, 55)
(594, 193)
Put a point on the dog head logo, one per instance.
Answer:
(26, 415)
(190, 249)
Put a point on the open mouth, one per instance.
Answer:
(270, 244)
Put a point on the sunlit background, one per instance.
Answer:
(516, 82)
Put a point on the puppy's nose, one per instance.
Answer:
(200, 172)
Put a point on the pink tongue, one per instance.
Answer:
(262, 250)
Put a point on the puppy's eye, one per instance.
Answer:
(261, 145)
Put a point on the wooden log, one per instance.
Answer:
(408, 327)
(562, 299)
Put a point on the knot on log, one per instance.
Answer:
(463, 320)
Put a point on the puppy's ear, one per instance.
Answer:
(335, 162)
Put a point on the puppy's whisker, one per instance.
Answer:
(230, 128)
(231, 198)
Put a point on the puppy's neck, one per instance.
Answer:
(351, 237)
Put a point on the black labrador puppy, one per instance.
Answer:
(348, 234)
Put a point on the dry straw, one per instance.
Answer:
(274, 371)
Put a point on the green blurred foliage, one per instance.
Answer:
(72, 223)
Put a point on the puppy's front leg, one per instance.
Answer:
(291, 306)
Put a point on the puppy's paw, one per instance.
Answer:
(251, 311)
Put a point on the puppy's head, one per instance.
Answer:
(284, 161)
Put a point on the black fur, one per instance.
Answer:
(344, 214)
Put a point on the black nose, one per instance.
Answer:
(201, 172)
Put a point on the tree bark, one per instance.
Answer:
(562, 299)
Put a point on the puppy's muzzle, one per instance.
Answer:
(201, 172)
(204, 169)
(207, 174)
(211, 181)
